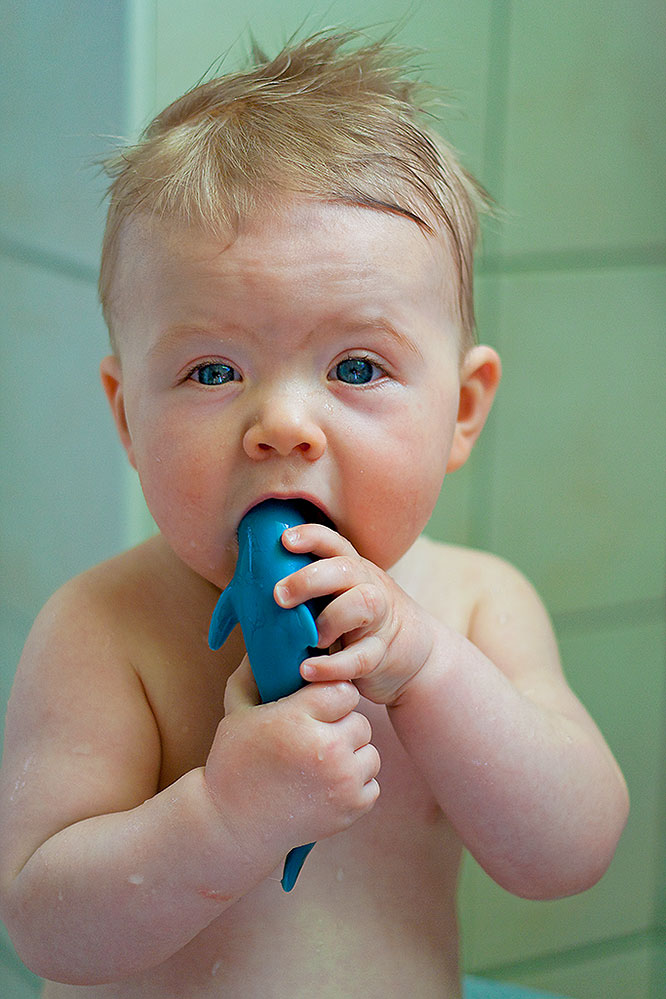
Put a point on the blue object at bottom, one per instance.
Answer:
(292, 865)
(481, 988)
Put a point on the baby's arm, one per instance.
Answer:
(514, 760)
(103, 876)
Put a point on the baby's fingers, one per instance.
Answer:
(324, 542)
(369, 763)
(352, 663)
(241, 690)
(328, 702)
(363, 608)
(318, 579)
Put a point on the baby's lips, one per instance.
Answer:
(310, 509)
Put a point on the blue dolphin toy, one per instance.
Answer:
(277, 639)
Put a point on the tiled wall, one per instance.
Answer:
(61, 490)
(559, 112)
(569, 484)
(62, 487)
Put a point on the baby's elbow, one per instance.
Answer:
(578, 861)
(548, 881)
(595, 844)
(552, 883)
(31, 948)
(54, 964)
(40, 943)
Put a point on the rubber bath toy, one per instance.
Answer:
(277, 639)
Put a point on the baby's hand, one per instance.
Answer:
(384, 635)
(292, 771)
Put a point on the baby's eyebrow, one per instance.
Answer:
(386, 327)
(173, 336)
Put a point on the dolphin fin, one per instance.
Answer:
(223, 620)
(307, 624)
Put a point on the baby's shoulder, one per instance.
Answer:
(110, 596)
(451, 581)
(468, 567)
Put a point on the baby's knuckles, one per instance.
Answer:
(321, 754)
(308, 764)
(408, 639)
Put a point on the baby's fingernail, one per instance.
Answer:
(291, 535)
(307, 671)
(281, 593)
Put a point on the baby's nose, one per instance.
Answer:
(284, 428)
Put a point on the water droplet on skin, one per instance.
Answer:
(136, 879)
(216, 967)
(340, 874)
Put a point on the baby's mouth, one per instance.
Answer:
(310, 512)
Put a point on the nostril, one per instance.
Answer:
(304, 447)
(284, 438)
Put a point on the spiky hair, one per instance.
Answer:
(329, 117)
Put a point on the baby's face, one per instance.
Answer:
(314, 355)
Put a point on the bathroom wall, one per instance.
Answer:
(63, 493)
(558, 108)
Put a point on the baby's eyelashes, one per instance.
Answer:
(356, 371)
(213, 373)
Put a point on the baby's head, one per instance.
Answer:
(322, 119)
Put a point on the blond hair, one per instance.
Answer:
(319, 119)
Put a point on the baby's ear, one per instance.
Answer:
(479, 377)
(112, 382)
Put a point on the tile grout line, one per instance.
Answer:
(481, 502)
(594, 950)
(57, 263)
(574, 260)
(609, 615)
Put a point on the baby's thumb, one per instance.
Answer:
(241, 690)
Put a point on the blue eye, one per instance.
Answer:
(357, 371)
(214, 373)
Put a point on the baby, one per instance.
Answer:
(287, 280)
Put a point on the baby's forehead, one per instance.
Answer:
(295, 226)
(301, 243)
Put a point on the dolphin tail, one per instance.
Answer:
(223, 620)
(292, 865)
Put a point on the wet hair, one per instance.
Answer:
(332, 117)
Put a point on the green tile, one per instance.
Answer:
(451, 519)
(62, 70)
(579, 469)
(623, 975)
(62, 487)
(584, 147)
(618, 673)
(455, 37)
